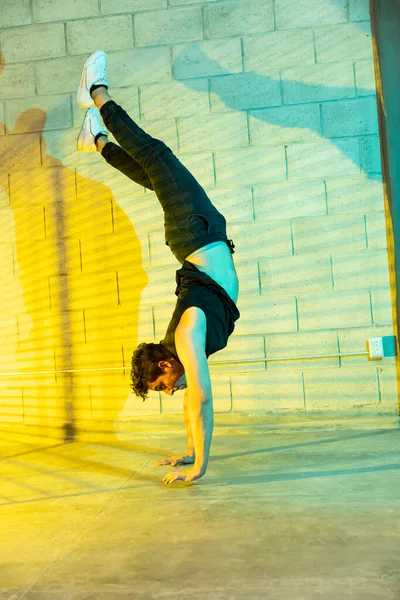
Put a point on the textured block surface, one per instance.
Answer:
(278, 50)
(32, 43)
(108, 33)
(168, 27)
(237, 18)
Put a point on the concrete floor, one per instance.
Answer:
(283, 513)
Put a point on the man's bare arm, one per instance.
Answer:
(187, 423)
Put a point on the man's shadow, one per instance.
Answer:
(76, 287)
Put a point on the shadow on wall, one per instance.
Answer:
(72, 309)
(252, 92)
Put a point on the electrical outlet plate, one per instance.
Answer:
(375, 348)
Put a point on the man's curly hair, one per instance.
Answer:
(145, 367)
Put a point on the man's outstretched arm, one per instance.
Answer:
(190, 338)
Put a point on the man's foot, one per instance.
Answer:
(94, 73)
(92, 127)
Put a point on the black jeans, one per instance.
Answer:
(190, 219)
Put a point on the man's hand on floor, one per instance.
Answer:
(189, 475)
(184, 459)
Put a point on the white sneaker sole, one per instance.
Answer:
(83, 98)
(91, 127)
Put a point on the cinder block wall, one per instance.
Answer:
(271, 104)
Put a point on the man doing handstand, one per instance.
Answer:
(207, 284)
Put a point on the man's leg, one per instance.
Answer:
(119, 159)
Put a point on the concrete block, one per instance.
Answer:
(17, 81)
(40, 187)
(83, 220)
(162, 317)
(143, 215)
(383, 307)
(52, 10)
(296, 275)
(168, 26)
(337, 157)
(207, 59)
(160, 285)
(350, 117)
(8, 331)
(355, 43)
(22, 223)
(355, 340)
(266, 314)
(6, 259)
(12, 302)
(120, 324)
(257, 165)
(135, 407)
(11, 405)
(120, 6)
(243, 91)
(371, 156)
(363, 270)
(166, 100)
(285, 124)
(4, 190)
(213, 132)
(301, 344)
(354, 195)
(108, 33)
(247, 272)
(306, 13)
(45, 257)
(15, 12)
(389, 396)
(57, 113)
(278, 50)
(263, 239)
(19, 151)
(333, 311)
(145, 331)
(238, 18)
(318, 83)
(236, 204)
(339, 234)
(359, 10)
(86, 291)
(33, 43)
(36, 297)
(365, 77)
(338, 389)
(239, 348)
(51, 330)
(112, 253)
(65, 71)
(269, 392)
(139, 67)
(377, 226)
(289, 199)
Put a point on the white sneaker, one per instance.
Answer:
(92, 126)
(94, 73)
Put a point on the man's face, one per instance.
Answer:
(172, 379)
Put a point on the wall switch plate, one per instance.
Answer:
(375, 348)
(382, 347)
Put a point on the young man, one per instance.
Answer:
(207, 284)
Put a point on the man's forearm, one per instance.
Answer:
(201, 417)
(187, 422)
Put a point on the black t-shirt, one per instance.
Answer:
(195, 288)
